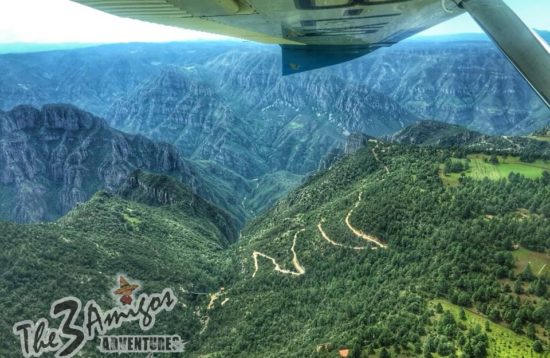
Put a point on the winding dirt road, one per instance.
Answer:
(358, 232)
(300, 270)
(332, 242)
(206, 318)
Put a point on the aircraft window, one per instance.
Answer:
(330, 4)
(353, 12)
(327, 3)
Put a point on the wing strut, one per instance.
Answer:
(527, 51)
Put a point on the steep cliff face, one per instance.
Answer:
(226, 105)
(58, 156)
(356, 141)
(177, 107)
(352, 105)
(229, 103)
(255, 122)
(92, 78)
(303, 117)
(466, 83)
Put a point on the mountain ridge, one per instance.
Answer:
(58, 156)
(370, 254)
(437, 134)
(168, 245)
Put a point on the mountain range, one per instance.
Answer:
(58, 156)
(254, 134)
(394, 206)
(375, 254)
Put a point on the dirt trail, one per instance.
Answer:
(360, 233)
(378, 159)
(300, 270)
(213, 298)
(357, 232)
(204, 322)
(206, 318)
(326, 237)
(511, 142)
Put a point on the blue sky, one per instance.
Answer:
(60, 21)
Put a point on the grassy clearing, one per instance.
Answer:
(480, 168)
(541, 138)
(503, 342)
(540, 262)
(449, 180)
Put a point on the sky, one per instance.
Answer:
(63, 21)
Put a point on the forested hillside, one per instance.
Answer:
(377, 254)
(429, 240)
(155, 231)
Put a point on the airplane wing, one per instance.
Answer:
(318, 33)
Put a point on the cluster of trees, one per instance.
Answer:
(81, 255)
(449, 243)
(455, 166)
(452, 243)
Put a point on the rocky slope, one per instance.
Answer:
(91, 78)
(227, 106)
(436, 133)
(177, 107)
(162, 190)
(466, 83)
(57, 157)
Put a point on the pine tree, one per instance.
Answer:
(537, 346)
(527, 273)
(462, 314)
(530, 331)
(518, 287)
(384, 353)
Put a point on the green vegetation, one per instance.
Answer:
(542, 134)
(480, 166)
(247, 198)
(178, 244)
(440, 245)
(502, 341)
(268, 189)
(541, 138)
(308, 291)
(539, 261)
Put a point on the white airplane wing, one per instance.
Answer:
(318, 33)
